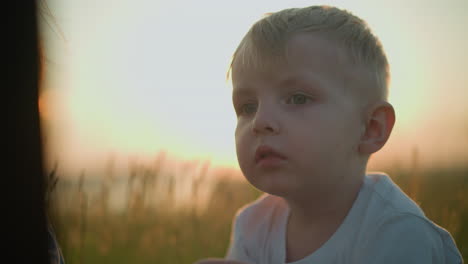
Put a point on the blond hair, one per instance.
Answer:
(266, 40)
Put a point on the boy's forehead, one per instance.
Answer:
(303, 52)
(301, 48)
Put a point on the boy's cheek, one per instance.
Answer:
(241, 130)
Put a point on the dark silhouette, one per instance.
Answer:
(25, 228)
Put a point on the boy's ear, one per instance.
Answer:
(378, 126)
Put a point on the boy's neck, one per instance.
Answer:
(325, 205)
(314, 219)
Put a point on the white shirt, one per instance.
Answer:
(383, 226)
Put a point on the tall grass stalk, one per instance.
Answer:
(181, 213)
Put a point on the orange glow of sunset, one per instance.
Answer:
(135, 78)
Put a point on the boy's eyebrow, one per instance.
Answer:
(309, 83)
(289, 81)
(242, 91)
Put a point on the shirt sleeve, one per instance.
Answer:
(236, 249)
(406, 239)
(55, 253)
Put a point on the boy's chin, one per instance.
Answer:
(276, 189)
(288, 188)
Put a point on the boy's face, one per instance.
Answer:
(298, 127)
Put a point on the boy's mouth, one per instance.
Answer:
(264, 152)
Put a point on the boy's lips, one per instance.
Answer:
(265, 152)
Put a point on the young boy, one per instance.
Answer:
(310, 94)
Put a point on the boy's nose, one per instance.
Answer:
(265, 122)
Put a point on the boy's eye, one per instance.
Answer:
(248, 108)
(297, 99)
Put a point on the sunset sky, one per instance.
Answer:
(131, 78)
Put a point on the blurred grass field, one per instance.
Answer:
(153, 226)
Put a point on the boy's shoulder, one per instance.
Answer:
(406, 238)
(256, 227)
(394, 224)
(383, 194)
(258, 217)
(263, 209)
(386, 203)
